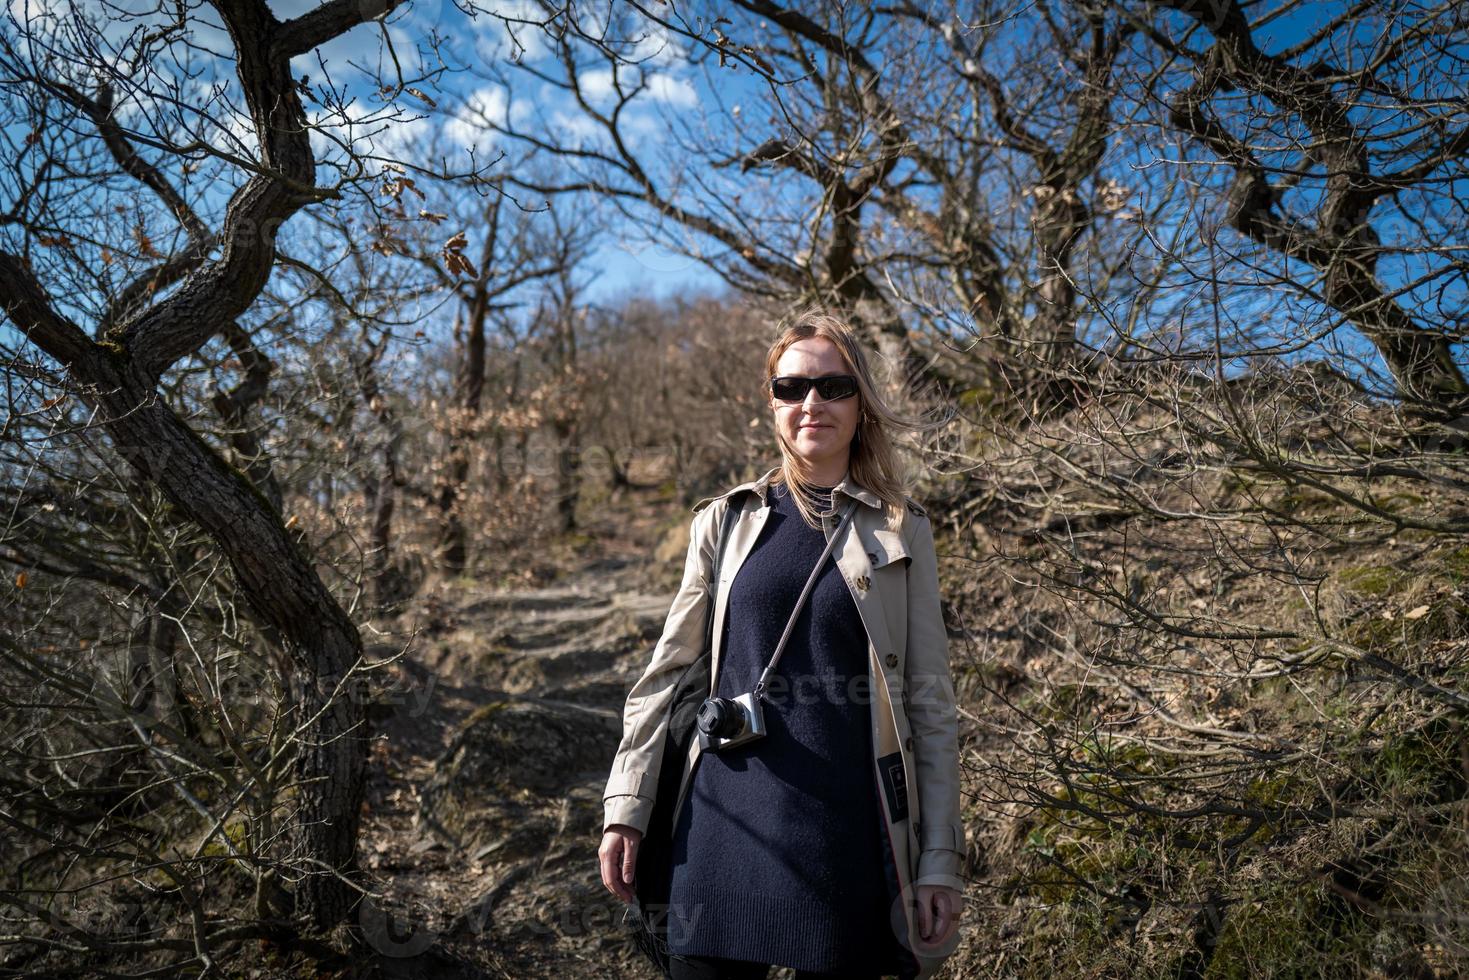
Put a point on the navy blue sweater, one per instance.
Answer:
(780, 854)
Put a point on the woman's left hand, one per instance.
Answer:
(938, 913)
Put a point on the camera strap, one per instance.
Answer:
(810, 583)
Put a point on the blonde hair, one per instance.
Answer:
(874, 459)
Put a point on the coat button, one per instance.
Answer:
(863, 582)
(892, 660)
(872, 557)
(908, 743)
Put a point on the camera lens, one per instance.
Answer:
(720, 718)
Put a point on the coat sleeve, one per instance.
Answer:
(633, 782)
(933, 720)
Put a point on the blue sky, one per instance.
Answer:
(625, 263)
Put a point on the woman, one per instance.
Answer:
(832, 843)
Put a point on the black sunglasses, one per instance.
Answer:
(831, 387)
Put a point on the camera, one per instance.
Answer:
(726, 722)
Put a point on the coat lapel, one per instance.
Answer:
(741, 541)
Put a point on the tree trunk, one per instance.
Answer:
(320, 643)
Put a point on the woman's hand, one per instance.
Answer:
(618, 856)
(938, 913)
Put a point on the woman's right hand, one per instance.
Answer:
(618, 856)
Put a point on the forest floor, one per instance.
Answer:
(496, 731)
(497, 725)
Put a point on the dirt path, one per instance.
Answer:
(484, 798)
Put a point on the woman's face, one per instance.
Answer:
(818, 432)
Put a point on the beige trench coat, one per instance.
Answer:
(893, 579)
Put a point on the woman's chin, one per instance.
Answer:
(815, 451)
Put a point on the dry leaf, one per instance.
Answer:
(1417, 613)
(454, 258)
(145, 244)
(20, 580)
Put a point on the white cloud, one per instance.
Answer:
(489, 103)
(643, 125)
(596, 85)
(521, 39)
(467, 126)
(575, 124)
(672, 91)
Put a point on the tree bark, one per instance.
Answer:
(118, 377)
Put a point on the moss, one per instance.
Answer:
(1426, 763)
(1455, 564)
(1440, 618)
(1275, 933)
(1388, 501)
(1373, 580)
(484, 712)
(1059, 703)
(1075, 853)
(1284, 699)
(1073, 941)
(1273, 791)
(236, 829)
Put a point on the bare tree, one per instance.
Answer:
(1339, 155)
(929, 172)
(520, 247)
(115, 300)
